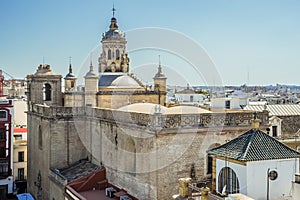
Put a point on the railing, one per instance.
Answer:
(216, 119)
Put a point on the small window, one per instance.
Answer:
(3, 114)
(2, 134)
(20, 174)
(227, 104)
(274, 131)
(47, 92)
(118, 54)
(40, 138)
(209, 164)
(191, 98)
(109, 54)
(21, 156)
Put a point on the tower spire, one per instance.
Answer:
(91, 64)
(159, 73)
(113, 24)
(113, 10)
(70, 65)
(159, 66)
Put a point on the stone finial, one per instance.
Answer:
(255, 122)
(184, 186)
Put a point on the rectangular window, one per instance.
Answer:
(21, 174)
(2, 134)
(2, 152)
(274, 131)
(3, 114)
(227, 104)
(21, 156)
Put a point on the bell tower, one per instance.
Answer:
(114, 57)
(160, 85)
(44, 87)
(70, 80)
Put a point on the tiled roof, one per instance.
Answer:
(78, 170)
(277, 110)
(254, 145)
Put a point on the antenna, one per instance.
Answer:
(43, 60)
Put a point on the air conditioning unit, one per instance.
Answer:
(109, 192)
(125, 198)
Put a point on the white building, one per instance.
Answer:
(236, 101)
(255, 164)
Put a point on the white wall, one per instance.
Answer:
(20, 117)
(240, 171)
(257, 178)
(295, 191)
(187, 97)
(235, 103)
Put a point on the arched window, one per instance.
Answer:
(47, 92)
(118, 54)
(40, 138)
(228, 181)
(109, 54)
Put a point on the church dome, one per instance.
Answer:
(121, 80)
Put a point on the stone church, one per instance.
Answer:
(118, 123)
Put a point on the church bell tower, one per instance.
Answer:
(114, 57)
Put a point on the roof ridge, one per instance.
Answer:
(248, 144)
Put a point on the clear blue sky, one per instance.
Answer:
(249, 41)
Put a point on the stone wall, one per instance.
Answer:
(144, 154)
(290, 125)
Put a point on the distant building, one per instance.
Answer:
(236, 101)
(6, 147)
(284, 118)
(189, 97)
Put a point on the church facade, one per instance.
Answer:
(119, 123)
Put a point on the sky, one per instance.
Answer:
(251, 41)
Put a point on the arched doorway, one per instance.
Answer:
(228, 181)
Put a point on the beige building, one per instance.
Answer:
(20, 159)
(118, 123)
